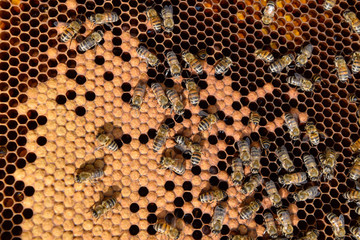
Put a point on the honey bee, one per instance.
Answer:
(150, 58)
(3, 151)
(293, 178)
(269, 12)
(338, 225)
(207, 121)
(285, 221)
(238, 171)
(292, 126)
(251, 186)
(138, 96)
(213, 196)
(343, 72)
(160, 95)
(104, 18)
(166, 229)
(264, 55)
(355, 58)
(218, 219)
(92, 40)
(316, 78)
(254, 118)
(265, 143)
(352, 196)
(352, 20)
(273, 194)
(201, 54)
(352, 98)
(303, 83)
(154, 19)
(195, 154)
(167, 15)
(284, 158)
(161, 137)
(175, 101)
(247, 211)
(312, 132)
(255, 156)
(244, 150)
(328, 162)
(270, 224)
(357, 210)
(329, 4)
(71, 31)
(223, 66)
(309, 193)
(193, 62)
(103, 207)
(185, 144)
(175, 67)
(355, 231)
(240, 237)
(194, 96)
(106, 141)
(175, 165)
(355, 147)
(280, 64)
(311, 235)
(306, 53)
(311, 166)
(90, 175)
(354, 172)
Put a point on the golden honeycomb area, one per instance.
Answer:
(54, 99)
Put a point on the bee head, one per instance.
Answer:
(296, 197)
(281, 179)
(92, 18)
(94, 213)
(77, 178)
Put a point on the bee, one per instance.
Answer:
(309, 193)
(311, 166)
(355, 58)
(103, 207)
(90, 175)
(270, 224)
(343, 72)
(138, 96)
(161, 137)
(250, 209)
(207, 121)
(238, 171)
(167, 15)
(3, 151)
(273, 194)
(355, 147)
(92, 40)
(104, 18)
(354, 172)
(264, 55)
(195, 154)
(194, 96)
(175, 67)
(355, 231)
(240, 237)
(251, 186)
(306, 53)
(303, 83)
(269, 12)
(338, 225)
(352, 196)
(154, 19)
(352, 98)
(201, 54)
(280, 64)
(255, 156)
(185, 144)
(311, 235)
(254, 118)
(213, 196)
(218, 219)
(223, 66)
(293, 178)
(71, 31)
(352, 20)
(313, 133)
(175, 165)
(193, 62)
(328, 162)
(265, 143)
(316, 78)
(106, 141)
(166, 229)
(292, 126)
(175, 101)
(329, 4)
(357, 210)
(285, 221)
(283, 155)
(160, 95)
(244, 150)
(150, 58)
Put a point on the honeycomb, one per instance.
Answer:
(55, 98)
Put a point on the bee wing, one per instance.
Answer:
(169, 8)
(342, 220)
(309, 48)
(202, 113)
(298, 76)
(180, 148)
(247, 139)
(357, 185)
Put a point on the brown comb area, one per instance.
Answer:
(54, 99)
